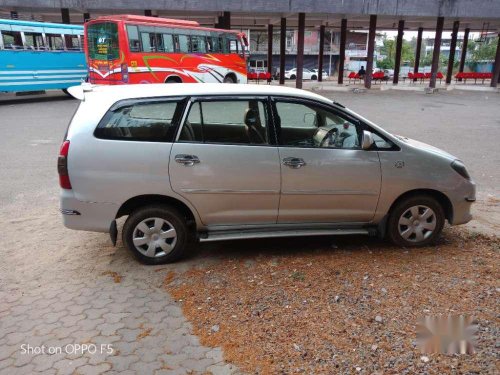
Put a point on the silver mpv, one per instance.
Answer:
(211, 162)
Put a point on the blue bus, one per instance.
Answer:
(37, 56)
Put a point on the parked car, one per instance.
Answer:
(213, 162)
(316, 71)
(306, 74)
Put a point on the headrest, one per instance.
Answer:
(251, 118)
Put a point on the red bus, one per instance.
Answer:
(124, 49)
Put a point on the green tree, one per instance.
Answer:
(484, 51)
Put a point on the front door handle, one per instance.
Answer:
(187, 160)
(294, 163)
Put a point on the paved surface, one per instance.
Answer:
(60, 287)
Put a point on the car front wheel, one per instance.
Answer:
(416, 221)
(156, 234)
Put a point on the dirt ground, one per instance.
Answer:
(342, 305)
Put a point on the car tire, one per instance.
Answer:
(293, 76)
(158, 244)
(415, 221)
(229, 79)
(314, 78)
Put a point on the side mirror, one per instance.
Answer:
(367, 141)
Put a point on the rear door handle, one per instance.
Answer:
(294, 163)
(187, 160)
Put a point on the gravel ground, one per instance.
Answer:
(301, 306)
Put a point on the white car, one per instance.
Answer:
(316, 71)
(306, 74)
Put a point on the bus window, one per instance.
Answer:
(210, 44)
(133, 38)
(222, 44)
(12, 40)
(103, 41)
(55, 41)
(168, 43)
(72, 42)
(183, 43)
(146, 42)
(198, 44)
(33, 41)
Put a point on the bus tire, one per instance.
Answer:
(66, 92)
(230, 78)
(173, 79)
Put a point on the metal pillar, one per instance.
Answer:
(86, 17)
(227, 20)
(343, 35)
(321, 51)
(270, 49)
(496, 68)
(65, 15)
(148, 13)
(300, 50)
(282, 50)
(371, 50)
(453, 47)
(464, 52)
(436, 51)
(417, 52)
(399, 48)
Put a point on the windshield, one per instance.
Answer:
(103, 41)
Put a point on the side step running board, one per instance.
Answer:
(234, 235)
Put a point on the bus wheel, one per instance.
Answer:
(173, 79)
(229, 79)
(66, 92)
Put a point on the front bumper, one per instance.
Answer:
(462, 204)
(89, 216)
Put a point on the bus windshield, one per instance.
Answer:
(103, 41)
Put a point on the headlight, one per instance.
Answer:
(459, 167)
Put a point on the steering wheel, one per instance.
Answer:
(326, 137)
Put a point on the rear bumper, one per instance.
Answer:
(78, 215)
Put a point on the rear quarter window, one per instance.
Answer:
(140, 121)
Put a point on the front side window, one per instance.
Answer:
(149, 121)
(103, 41)
(133, 38)
(308, 125)
(227, 122)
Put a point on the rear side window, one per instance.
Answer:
(140, 121)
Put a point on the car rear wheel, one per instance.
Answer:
(314, 78)
(416, 221)
(156, 234)
(293, 76)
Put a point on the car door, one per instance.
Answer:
(226, 163)
(326, 176)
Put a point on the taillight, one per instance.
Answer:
(62, 166)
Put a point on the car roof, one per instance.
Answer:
(114, 93)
